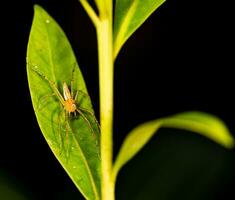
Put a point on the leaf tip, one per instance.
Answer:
(39, 10)
(37, 7)
(230, 143)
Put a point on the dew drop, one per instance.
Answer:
(74, 167)
(47, 21)
(35, 66)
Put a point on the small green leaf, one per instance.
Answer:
(129, 15)
(205, 124)
(198, 122)
(74, 143)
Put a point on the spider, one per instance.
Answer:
(68, 101)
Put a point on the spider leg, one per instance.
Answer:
(81, 92)
(67, 127)
(68, 148)
(51, 83)
(87, 121)
(84, 109)
(43, 99)
(60, 131)
(72, 80)
(92, 114)
(76, 96)
(88, 98)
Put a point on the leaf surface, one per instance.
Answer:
(129, 15)
(73, 139)
(198, 122)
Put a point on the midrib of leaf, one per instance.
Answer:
(122, 30)
(87, 166)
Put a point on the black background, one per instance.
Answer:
(181, 59)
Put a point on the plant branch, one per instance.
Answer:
(90, 11)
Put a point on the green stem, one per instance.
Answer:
(91, 13)
(105, 51)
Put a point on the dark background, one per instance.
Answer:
(181, 59)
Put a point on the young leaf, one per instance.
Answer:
(129, 15)
(73, 140)
(198, 122)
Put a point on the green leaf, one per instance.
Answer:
(198, 122)
(129, 15)
(73, 140)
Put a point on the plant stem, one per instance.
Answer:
(105, 51)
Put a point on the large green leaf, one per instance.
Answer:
(201, 123)
(73, 140)
(129, 15)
